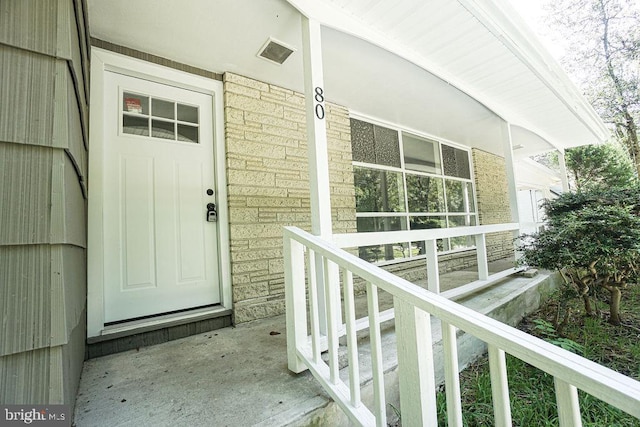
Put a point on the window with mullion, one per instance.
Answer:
(404, 181)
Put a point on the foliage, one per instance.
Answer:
(593, 238)
(606, 165)
(549, 332)
(533, 400)
(603, 55)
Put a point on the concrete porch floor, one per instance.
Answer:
(235, 376)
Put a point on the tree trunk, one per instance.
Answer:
(587, 304)
(614, 305)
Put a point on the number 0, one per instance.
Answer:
(319, 97)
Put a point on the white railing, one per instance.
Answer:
(430, 237)
(414, 307)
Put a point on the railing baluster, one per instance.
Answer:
(451, 375)
(313, 306)
(415, 365)
(568, 406)
(379, 400)
(433, 272)
(499, 387)
(352, 340)
(296, 304)
(481, 252)
(332, 327)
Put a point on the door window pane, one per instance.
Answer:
(187, 113)
(165, 118)
(420, 154)
(135, 125)
(164, 130)
(187, 133)
(135, 104)
(160, 108)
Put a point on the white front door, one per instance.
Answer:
(160, 251)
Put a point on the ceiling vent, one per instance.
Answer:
(275, 51)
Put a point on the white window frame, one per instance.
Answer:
(402, 169)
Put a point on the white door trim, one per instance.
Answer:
(101, 61)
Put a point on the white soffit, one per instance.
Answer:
(482, 47)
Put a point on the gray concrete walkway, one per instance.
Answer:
(230, 377)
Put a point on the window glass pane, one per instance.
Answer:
(187, 113)
(164, 109)
(187, 133)
(420, 154)
(456, 191)
(471, 197)
(382, 252)
(455, 162)
(378, 191)
(135, 125)
(425, 194)
(374, 144)
(387, 146)
(387, 223)
(133, 103)
(164, 130)
(462, 220)
(426, 222)
(362, 143)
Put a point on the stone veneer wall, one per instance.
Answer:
(492, 195)
(268, 185)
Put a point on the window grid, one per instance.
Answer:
(468, 216)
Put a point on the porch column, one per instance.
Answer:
(512, 186)
(563, 171)
(316, 129)
(317, 152)
(511, 176)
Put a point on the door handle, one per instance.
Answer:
(212, 213)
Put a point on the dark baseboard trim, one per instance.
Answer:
(117, 343)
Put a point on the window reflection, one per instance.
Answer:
(378, 190)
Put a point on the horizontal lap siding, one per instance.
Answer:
(43, 166)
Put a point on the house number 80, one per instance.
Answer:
(319, 97)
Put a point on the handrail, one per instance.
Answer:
(349, 240)
(413, 306)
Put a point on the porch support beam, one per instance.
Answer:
(511, 184)
(316, 129)
(511, 175)
(564, 177)
(318, 159)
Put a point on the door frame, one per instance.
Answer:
(101, 62)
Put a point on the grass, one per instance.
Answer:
(532, 391)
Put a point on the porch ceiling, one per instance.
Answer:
(453, 69)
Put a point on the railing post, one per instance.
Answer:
(568, 406)
(451, 375)
(499, 387)
(295, 299)
(415, 365)
(433, 274)
(481, 251)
